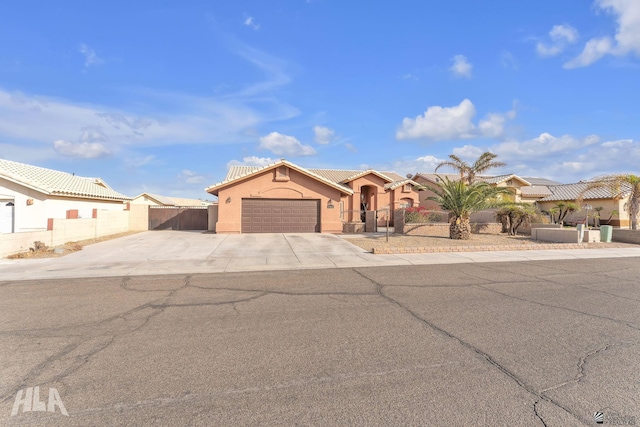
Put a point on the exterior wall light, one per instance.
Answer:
(228, 200)
(330, 204)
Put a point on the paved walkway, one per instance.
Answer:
(172, 252)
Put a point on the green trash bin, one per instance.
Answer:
(606, 233)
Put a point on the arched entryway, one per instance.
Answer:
(368, 200)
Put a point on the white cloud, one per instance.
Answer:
(285, 145)
(448, 123)
(439, 123)
(592, 52)
(543, 147)
(403, 167)
(323, 135)
(191, 120)
(252, 161)
(468, 152)
(561, 36)
(191, 177)
(627, 37)
(461, 67)
(493, 125)
(84, 150)
(90, 56)
(251, 22)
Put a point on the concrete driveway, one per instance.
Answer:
(184, 252)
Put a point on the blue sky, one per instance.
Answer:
(162, 96)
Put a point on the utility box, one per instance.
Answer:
(606, 233)
(591, 236)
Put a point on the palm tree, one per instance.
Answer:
(619, 184)
(562, 209)
(461, 200)
(469, 172)
(513, 215)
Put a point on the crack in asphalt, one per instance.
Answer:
(95, 340)
(611, 294)
(316, 379)
(583, 362)
(535, 412)
(560, 307)
(519, 381)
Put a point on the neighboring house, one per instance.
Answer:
(598, 198)
(157, 200)
(30, 195)
(511, 182)
(284, 197)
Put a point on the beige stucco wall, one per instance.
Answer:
(264, 185)
(34, 217)
(26, 217)
(138, 217)
(105, 223)
(608, 205)
(11, 243)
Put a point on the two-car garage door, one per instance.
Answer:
(280, 216)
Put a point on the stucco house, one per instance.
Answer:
(30, 195)
(285, 197)
(158, 200)
(614, 206)
(515, 184)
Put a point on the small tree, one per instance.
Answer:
(596, 216)
(514, 215)
(560, 211)
(461, 200)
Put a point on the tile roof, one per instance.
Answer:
(239, 172)
(345, 175)
(490, 179)
(395, 184)
(540, 181)
(158, 198)
(337, 177)
(501, 178)
(49, 181)
(572, 192)
(535, 191)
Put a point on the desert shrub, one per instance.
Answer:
(420, 214)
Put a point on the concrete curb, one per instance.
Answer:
(486, 248)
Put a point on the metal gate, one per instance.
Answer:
(178, 218)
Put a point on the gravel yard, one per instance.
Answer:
(403, 241)
(399, 243)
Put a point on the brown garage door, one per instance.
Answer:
(280, 216)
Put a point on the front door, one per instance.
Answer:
(6, 217)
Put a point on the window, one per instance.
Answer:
(406, 188)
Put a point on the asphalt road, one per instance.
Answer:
(527, 343)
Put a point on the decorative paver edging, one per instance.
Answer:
(484, 248)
